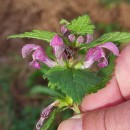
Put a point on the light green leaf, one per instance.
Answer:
(73, 82)
(64, 21)
(39, 89)
(110, 37)
(115, 37)
(37, 34)
(81, 26)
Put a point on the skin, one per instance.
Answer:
(109, 108)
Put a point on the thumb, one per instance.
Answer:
(114, 118)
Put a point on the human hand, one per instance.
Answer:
(109, 108)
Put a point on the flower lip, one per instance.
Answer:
(94, 53)
(35, 64)
(39, 54)
(103, 63)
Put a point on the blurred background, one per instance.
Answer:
(22, 95)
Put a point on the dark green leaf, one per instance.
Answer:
(37, 34)
(74, 82)
(81, 26)
(39, 89)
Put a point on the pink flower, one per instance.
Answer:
(37, 55)
(97, 54)
(58, 48)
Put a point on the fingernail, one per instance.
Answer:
(76, 124)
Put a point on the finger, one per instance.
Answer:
(122, 72)
(117, 90)
(108, 96)
(114, 118)
(71, 124)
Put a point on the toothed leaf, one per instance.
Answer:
(81, 26)
(37, 34)
(73, 82)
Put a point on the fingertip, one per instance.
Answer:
(122, 72)
(71, 124)
(106, 97)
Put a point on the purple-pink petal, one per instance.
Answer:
(28, 48)
(111, 46)
(39, 54)
(103, 63)
(35, 64)
(94, 53)
(58, 48)
(56, 41)
(89, 38)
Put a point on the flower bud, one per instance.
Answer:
(71, 37)
(89, 38)
(80, 39)
(63, 29)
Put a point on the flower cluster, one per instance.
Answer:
(67, 53)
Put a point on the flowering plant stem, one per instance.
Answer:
(76, 109)
(71, 74)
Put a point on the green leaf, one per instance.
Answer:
(81, 26)
(73, 82)
(37, 34)
(110, 37)
(49, 120)
(39, 89)
(64, 21)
